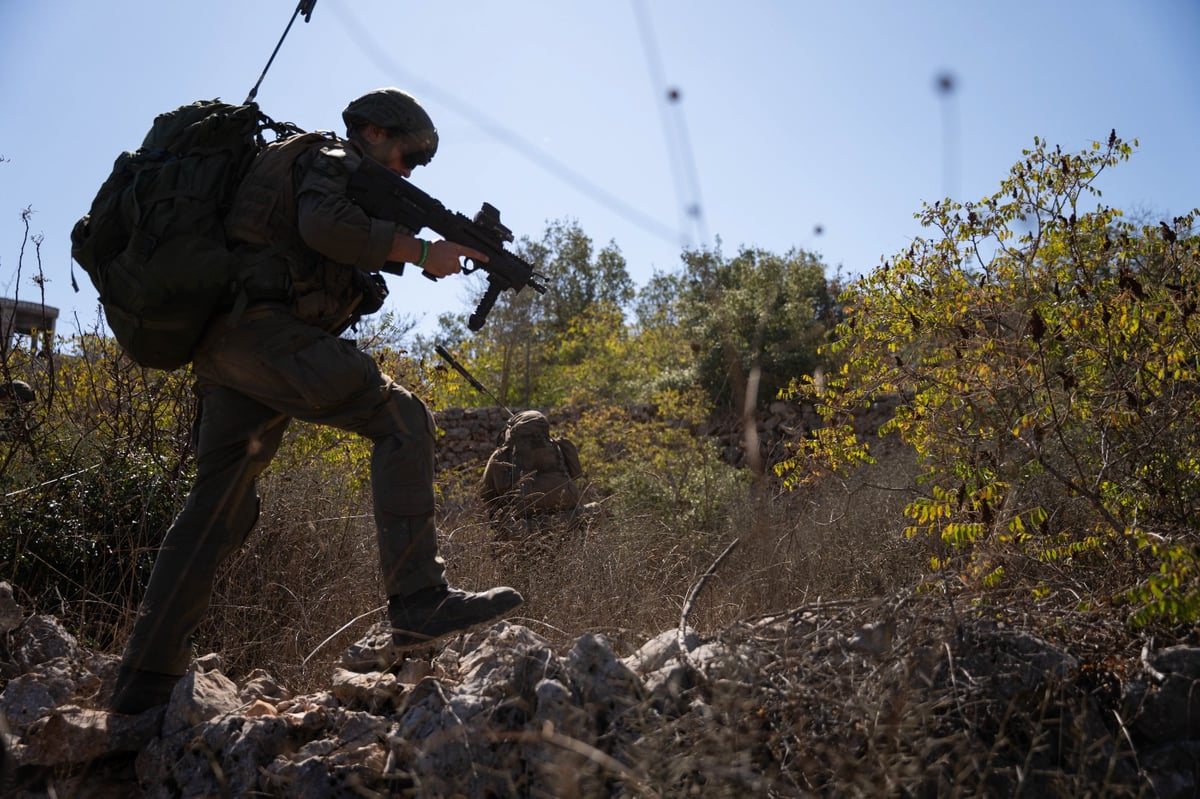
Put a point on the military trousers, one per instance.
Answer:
(253, 377)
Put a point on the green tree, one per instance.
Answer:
(579, 277)
(527, 344)
(667, 355)
(756, 320)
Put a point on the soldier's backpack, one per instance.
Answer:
(153, 241)
(532, 471)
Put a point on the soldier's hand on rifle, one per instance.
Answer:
(443, 258)
(437, 258)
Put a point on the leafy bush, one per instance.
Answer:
(1045, 359)
(661, 469)
(92, 479)
(84, 540)
(755, 320)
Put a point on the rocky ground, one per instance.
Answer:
(905, 696)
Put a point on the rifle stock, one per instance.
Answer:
(385, 195)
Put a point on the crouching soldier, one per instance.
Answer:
(14, 395)
(532, 482)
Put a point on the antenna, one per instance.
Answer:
(305, 7)
(462, 370)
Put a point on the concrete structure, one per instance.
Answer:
(23, 318)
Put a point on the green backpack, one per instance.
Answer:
(540, 469)
(153, 242)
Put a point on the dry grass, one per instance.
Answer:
(950, 707)
(946, 706)
(310, 568)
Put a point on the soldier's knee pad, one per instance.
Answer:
(409, 415)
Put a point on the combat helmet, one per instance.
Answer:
(401, 114)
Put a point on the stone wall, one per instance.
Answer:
(467, 434)
(470, 434)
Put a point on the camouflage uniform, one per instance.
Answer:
(307, 253)
(13, 395)
(531, 481)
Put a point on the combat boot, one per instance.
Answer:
(433, 613)
(138, 690)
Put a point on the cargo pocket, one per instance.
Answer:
(328, 373)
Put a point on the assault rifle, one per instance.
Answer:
(385, 195)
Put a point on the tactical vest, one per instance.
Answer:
(273, 262)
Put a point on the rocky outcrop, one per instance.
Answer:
(869, 697)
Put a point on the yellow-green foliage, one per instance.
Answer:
(660, 469)
(595, 359)
(1044, 354)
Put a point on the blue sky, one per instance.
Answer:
(799, 124)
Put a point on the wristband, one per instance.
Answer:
(424, 252)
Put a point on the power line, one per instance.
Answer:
(656, 76)
(502, 134)
(683, 164)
